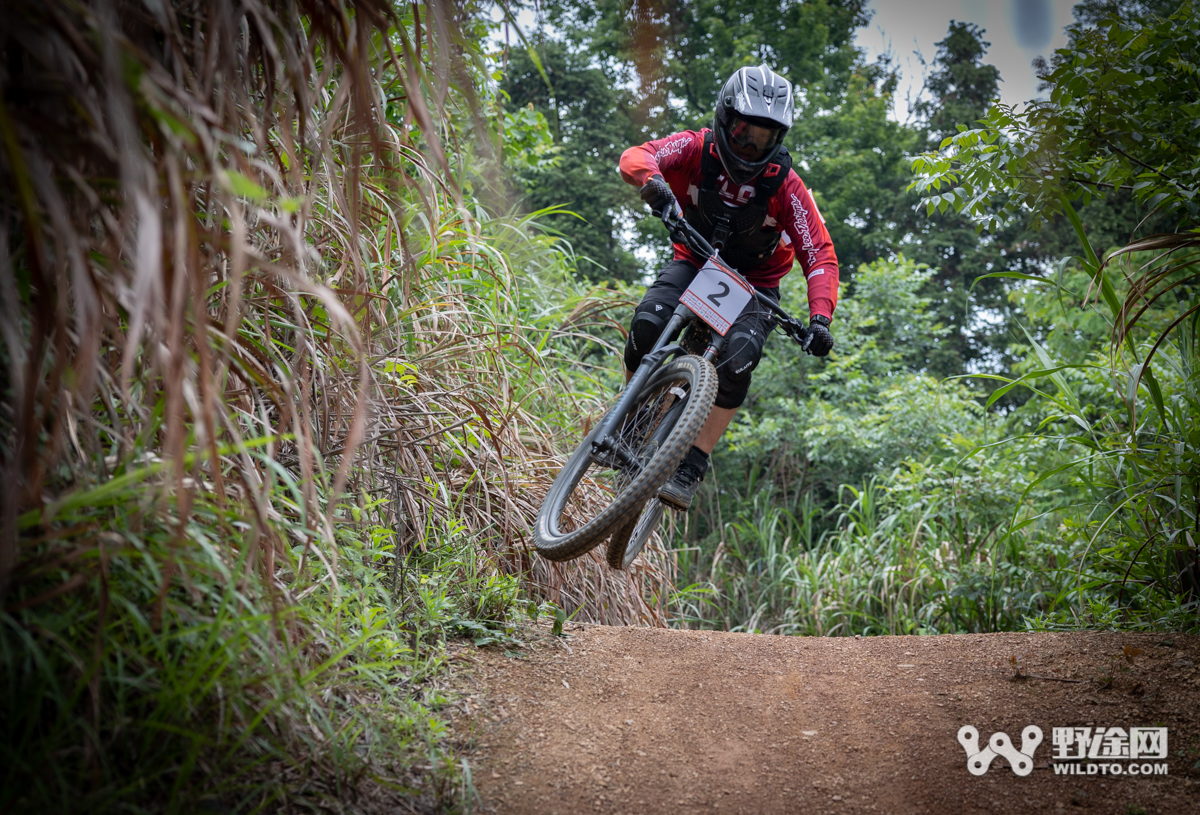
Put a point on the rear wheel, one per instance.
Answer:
(623, 548)
(593, 498)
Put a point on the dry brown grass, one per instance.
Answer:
(245, 299)
(224, 225)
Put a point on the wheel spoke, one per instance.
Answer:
(597, 497)
(637, 438)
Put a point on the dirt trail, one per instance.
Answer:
(630, 720)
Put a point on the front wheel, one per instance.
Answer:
(591, 499)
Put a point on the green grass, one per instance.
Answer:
(175, 677)
(881, 569)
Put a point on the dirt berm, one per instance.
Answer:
(634, 720)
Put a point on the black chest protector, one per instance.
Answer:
(737, 231)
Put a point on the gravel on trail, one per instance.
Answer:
(639, 720)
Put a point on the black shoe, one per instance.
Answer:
(678, 492)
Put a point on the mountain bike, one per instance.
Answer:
(642, 439)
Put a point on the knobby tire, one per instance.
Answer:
(629, 540)
(663, 444)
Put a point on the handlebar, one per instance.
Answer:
(683, 232)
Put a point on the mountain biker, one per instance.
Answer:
(737, 186)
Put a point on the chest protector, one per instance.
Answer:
(737, 231)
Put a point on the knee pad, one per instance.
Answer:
(643, 332)
(743, 351)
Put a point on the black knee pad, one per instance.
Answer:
(742, 353)
(648, 323)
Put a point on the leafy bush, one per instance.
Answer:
(1123, 417)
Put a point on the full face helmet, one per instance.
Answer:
(754, 111)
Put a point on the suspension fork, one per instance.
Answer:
(714, 348)
(664, 347)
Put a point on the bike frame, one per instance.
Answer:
(666, 347)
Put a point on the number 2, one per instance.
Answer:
(715, 297)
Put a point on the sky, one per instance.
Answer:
(1019, 31)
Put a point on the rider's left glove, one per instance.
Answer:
(657, 193)
(820, 340)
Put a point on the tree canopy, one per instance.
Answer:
(617, 73)
(1122, 116)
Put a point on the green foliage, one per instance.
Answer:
(1133, 469)
(173, 676)
(588, 117)
(1122, 112)
(683, 52)
(529, 149)
(1123, 419)
(916, 555)
(857, 161)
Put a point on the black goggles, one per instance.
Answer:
(753, 137)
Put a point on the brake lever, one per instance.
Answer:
(798, 332)
(671, 222)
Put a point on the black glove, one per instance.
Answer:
(658, 195)
(820, 341)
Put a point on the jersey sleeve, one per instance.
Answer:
(796, 210)
(676, 158)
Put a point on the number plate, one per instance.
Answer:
(717, 295)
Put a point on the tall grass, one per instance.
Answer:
(1078, 509)
(915, 554)
(1137, 465)
(272, 424)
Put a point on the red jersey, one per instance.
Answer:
(790, 211)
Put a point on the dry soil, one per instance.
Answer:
(628, 720)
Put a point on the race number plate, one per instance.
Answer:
(717, 295)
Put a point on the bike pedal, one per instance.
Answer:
(671, 501)
(671, 505)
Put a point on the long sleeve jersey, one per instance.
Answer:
(791, 211)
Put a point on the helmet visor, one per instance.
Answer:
(751, 141)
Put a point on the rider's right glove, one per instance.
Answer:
(820, 341)
(658, 195)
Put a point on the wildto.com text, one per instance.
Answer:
(1079, 745)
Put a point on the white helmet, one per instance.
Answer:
(754, 111)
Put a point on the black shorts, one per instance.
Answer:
(743, 343)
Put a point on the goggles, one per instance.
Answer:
(751, 139)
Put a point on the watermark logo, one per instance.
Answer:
(1077, 750)
(1092, 750)
(1021, 761)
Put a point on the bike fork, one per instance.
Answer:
(664, 347)
(714, 349)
